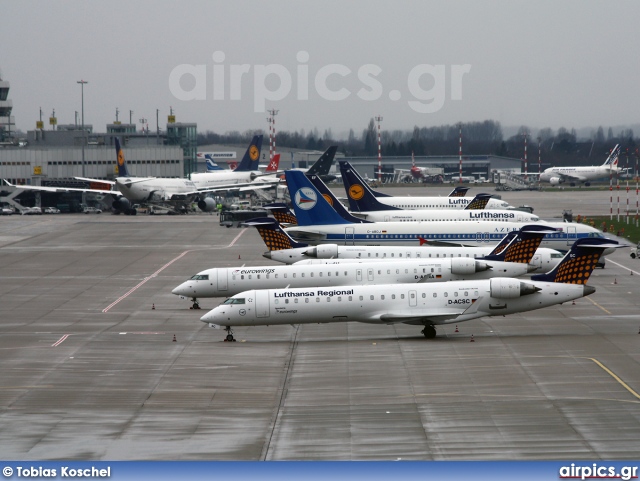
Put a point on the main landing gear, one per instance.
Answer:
(429, 331)
(229, 337)
(195, 304)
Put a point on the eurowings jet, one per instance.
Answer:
(318, 223)
(422, 304)
(372, 210)
(225, 282)
(171, 193)
(356, 188)
(583, 174)
(282, 248)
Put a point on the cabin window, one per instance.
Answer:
(242, 277)
(328, 299)
(455, 294)
(424, 294)
(371, 298)
(317, 299)
(339, 299)
(302, 275)
(295, 301)
(311, 274)
(233, 278)
(435, 294)
(393, 296)
(258, 276)
(361, 298)
(294, 275)
(401, 296)
(306, 300)
(276, 276)
(249, 276)
(285, 276)
(382, 297)
(286, 301)
(277, 301)
(446, 294)
(350, 298)
(466, 293)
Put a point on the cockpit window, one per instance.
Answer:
(556, 256)
(234, 300)
(200, 277)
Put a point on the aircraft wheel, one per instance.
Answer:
(429, 332)
(229, 338)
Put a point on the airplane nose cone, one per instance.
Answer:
(588, 290)
(209, 316)
(181, 290)
(267, 255)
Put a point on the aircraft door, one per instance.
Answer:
(370, 274)
(413, 298)
(571, 235)
(349, 236)
(387, 218)
(359, 275)
(262, 303)
(222, 279)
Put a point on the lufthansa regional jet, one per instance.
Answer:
(422, 304)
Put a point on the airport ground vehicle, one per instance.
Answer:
(51, 210)
(231, 218)
(91, 210)
(32, 211)
(635, 252)
(6, 211)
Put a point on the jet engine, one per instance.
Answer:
(464, 266)
(507, 288)
(555, 181)
(207, 204)
(323, 251)
(122, 204)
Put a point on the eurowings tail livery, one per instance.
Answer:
(422, 304)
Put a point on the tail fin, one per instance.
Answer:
(120, 163)
(272, 234)
(273, 165)
(479, 202)
(211, 165)
(520, 246)
(323, 164)
(577, 265)
(613, 156)
(344, 166)
(282, 213)
(251, 157)
(459, 192)
(360, 196)
(310, 207)
(332, 200)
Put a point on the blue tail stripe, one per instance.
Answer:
(318, 212)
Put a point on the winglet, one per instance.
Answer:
(578, 264)
(272, 234)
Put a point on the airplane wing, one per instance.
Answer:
(572, 178)
(236, 187)
(304, 235)
(63, 189)
(110, 182)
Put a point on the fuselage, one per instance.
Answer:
(225, 282)
(158, 189)
(422, 304)
(579, 174)
(458, 215)
(438, 202)
(474, 233)
(205, 180)
(543, 259)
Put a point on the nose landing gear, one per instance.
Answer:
(229, 337)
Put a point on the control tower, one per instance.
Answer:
(7, 122)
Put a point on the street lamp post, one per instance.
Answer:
(82, 82)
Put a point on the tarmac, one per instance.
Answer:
(99, 361)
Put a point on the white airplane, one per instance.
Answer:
(225, 282)
(171, 193)
(318, 223)
(356, 189)
(583, 174)
(420, 304)
(282, 248)
(379, 212)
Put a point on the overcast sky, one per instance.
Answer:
(324, 64)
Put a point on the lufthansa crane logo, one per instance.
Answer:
(120, 158)
(328, 199)
(356, 192)
(254, 153)
(306, 198)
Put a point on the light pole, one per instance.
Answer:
(82, 82)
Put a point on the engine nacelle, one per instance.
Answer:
(462, 266)
(323, 251)
(207, 204)
(555, 181)
(122, 204)
(507, 288)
